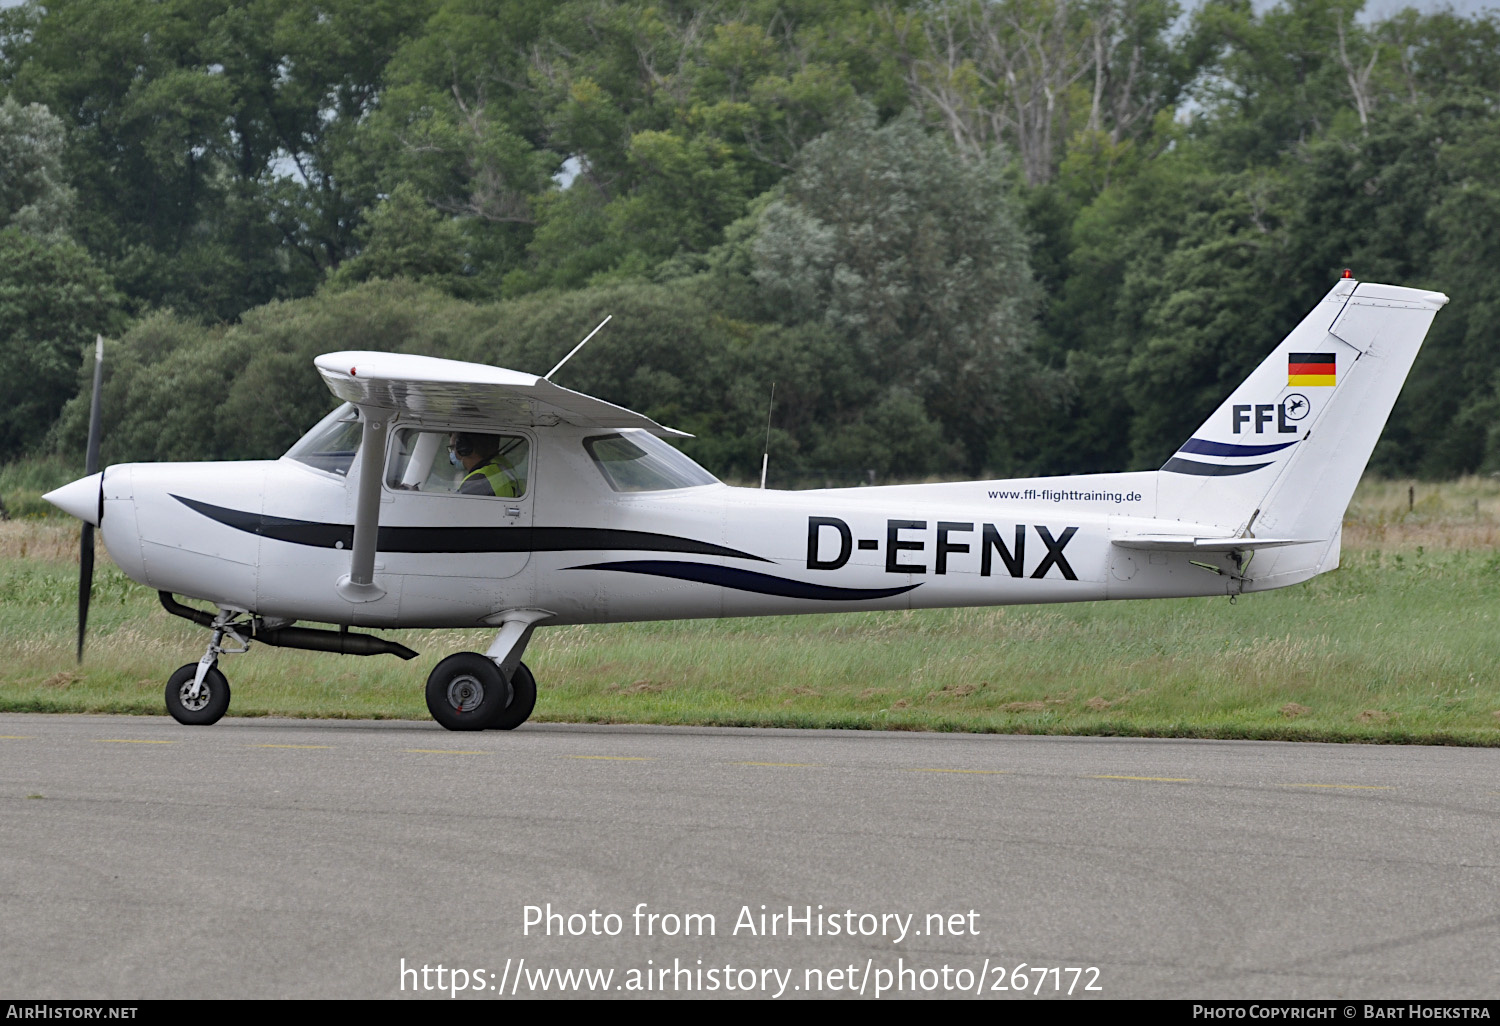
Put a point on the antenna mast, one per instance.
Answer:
(765, 456)
(565, 359)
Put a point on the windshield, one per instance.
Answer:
(332, 443)
(641, 462)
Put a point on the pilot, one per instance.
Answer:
(485, 473)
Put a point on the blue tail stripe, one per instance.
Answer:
(1206, 448)
(1177, 466)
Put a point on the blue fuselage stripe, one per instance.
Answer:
(745, 580)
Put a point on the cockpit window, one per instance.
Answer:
(332, 443)
(465, 462)
(641, 462)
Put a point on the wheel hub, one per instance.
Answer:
(190, 701)
(466, 693)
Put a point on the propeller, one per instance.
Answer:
(91, 466)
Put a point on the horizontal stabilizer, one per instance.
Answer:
(1183, 543)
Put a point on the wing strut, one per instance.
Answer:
(359, 585)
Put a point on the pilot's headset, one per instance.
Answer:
(463, 445)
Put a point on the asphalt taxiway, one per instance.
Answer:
(268, 858)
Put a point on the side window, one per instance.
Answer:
(460, 462)
(642, 462)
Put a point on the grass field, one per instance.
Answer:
(1401, 644)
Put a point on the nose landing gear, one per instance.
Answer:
(198, 693)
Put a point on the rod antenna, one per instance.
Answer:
(565, 359)
(765, 456)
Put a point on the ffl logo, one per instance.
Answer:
(1286, 414)
(899, 549)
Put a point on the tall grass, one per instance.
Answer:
(1405, 514)
(1399, 644)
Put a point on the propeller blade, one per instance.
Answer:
(91, 464)
(85, 582)
(91, 461)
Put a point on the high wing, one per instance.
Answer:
(426, 389)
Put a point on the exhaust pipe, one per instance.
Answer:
(343, 642)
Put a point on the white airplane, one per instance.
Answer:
(587, 516)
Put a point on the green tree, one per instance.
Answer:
(203, 135)
(1284, 77)
(53, 297)
(405, 238)
(1032, 74)
(53, 300)
(665, 120)
(1170, 271)
(918, 262)
(35, 196)
(1420, 207)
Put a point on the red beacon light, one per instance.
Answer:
(1348, 273)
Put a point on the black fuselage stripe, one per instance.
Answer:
(746, 580)
(461, 539)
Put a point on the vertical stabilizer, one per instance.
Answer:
(1281, 457)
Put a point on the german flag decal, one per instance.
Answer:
(1309, 369)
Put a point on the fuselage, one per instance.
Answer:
(274, 537)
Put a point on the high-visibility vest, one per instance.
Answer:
(501, 481)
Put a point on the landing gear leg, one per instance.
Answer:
(506, 652)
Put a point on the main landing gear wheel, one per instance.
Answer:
(466, 692)
(522, 700)
(211, 702)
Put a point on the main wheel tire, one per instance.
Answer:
(522, 700)
(212, 701)
(466, 691)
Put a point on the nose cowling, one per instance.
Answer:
(83, 498)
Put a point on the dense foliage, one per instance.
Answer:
(957, 236)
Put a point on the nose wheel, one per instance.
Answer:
(201, 706)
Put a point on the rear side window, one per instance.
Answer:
(641, 462)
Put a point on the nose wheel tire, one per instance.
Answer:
(522, 700)
(466, 692)
(211, 702)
